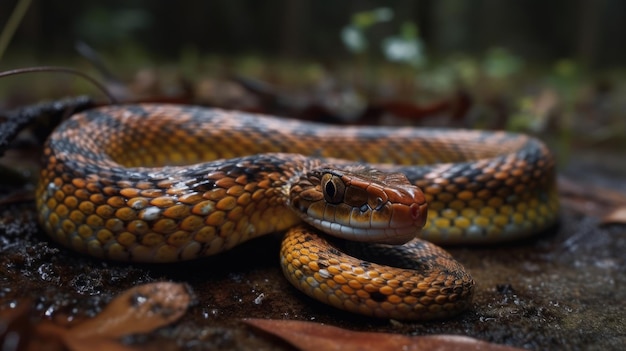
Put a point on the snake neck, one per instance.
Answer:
(109, 210)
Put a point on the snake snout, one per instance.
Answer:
(409, 204)
(408, 212)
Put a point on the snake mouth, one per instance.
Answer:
(393, 224)
(397, 234)
(388, 235)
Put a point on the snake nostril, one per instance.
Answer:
(379, 203)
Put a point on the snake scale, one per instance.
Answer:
(162, 183)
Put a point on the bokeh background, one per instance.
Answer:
(528, 65)
(587, 31)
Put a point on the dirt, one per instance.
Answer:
(561, 290)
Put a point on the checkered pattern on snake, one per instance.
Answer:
(159, 183)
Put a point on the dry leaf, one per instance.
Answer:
(97, 344)
(617, 216)
(48, 333)
(592, 200)
(15, 327)
(308, 336)
(138, 310)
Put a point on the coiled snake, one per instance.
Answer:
(158, 183)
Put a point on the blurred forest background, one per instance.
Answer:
(525, 65)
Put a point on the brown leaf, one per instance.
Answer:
(19, 333)
(138, 310)
(97, 344)
(617, 216)
(15, 327)
(49, 333)
(592, 200)
(307, 336)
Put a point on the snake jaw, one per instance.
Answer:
(391, 236)
(361, 205)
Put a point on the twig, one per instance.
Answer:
(14, 21)
(93, 81)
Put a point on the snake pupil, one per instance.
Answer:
(333, 188)
(330, 189)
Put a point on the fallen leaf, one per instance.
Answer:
(97, 344)
(592, 200)
(138, 310)
(15, 327)
(308, 336)
(617, 216)
(50, 333)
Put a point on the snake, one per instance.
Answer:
(364, 208)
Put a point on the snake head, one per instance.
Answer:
(361, 204)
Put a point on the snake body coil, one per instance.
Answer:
(159, 183)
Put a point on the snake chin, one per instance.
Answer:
(391, 236)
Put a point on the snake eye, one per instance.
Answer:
(333, 188)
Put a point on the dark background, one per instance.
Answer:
(585, 30)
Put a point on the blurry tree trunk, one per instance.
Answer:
(589, 35)
(452, 25)
(294, 26)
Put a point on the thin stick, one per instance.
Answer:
(93, 81)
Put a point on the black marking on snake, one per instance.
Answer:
(203, 185)
(251, 174)
(334, 251)
(469, 171)
(138, 109)
(378, 297)
(365, 264)
(105, 119)
(459, 169)
(69, 124)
